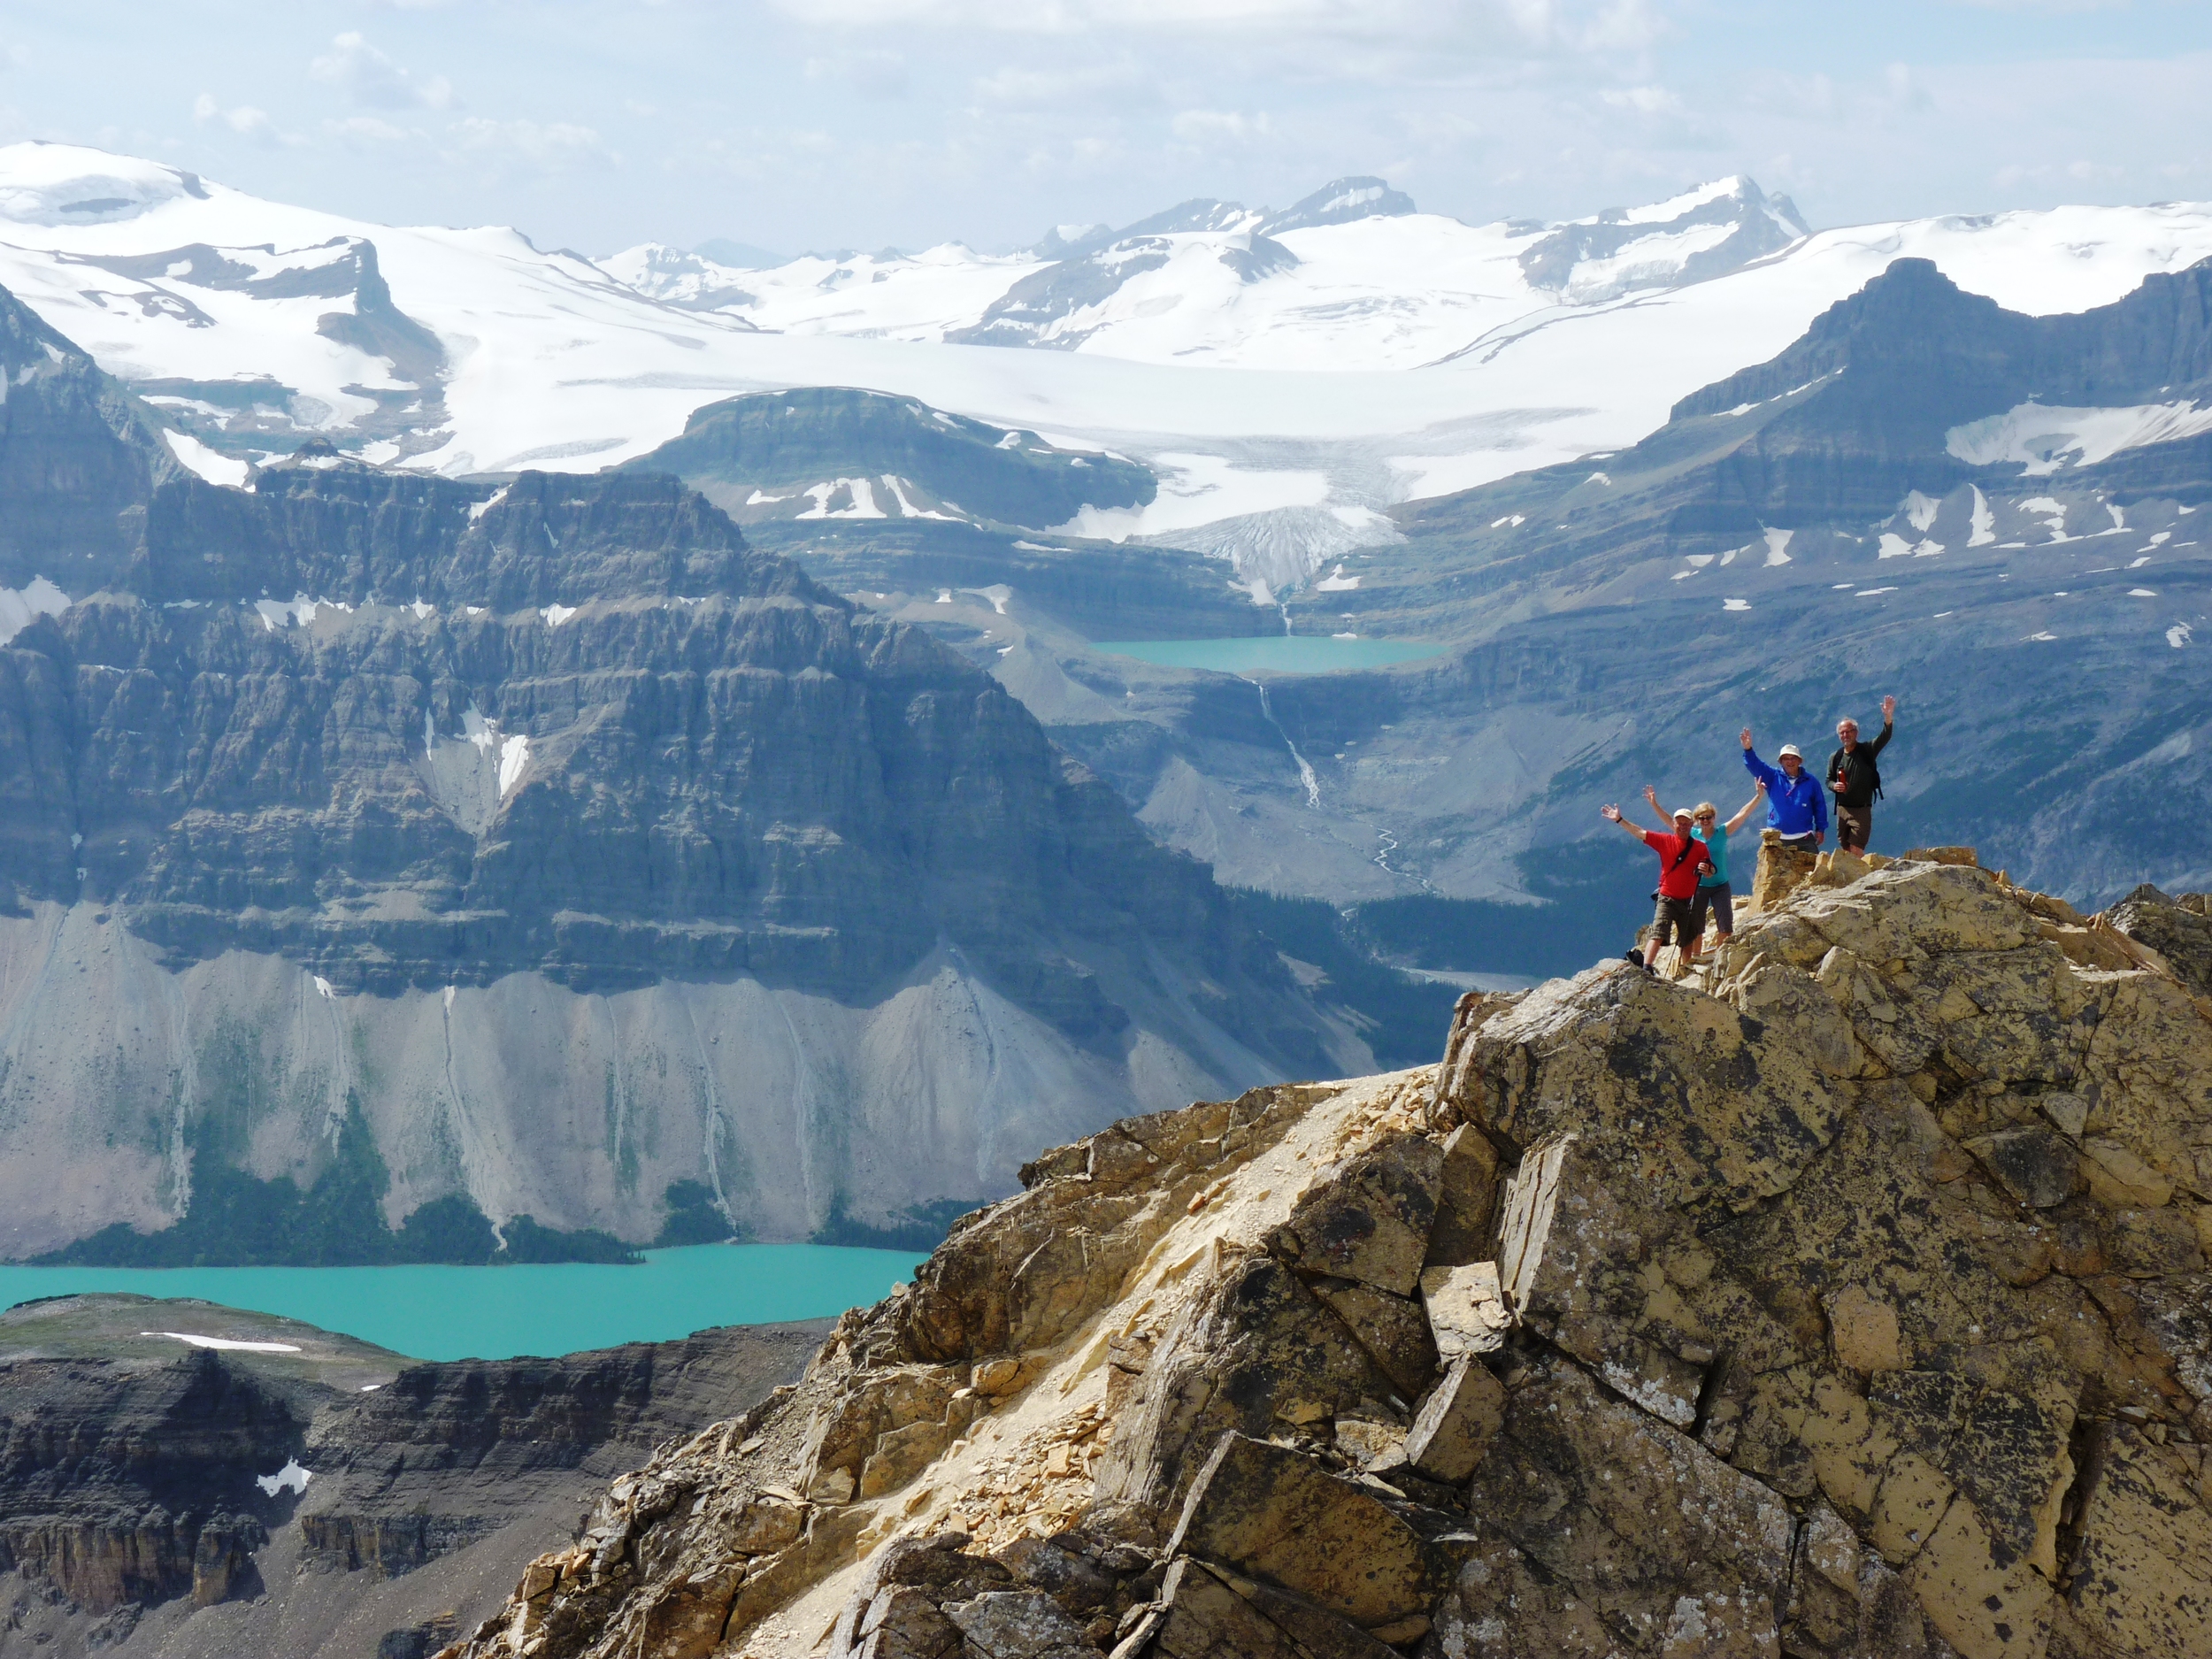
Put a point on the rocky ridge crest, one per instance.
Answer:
(1854, 1304)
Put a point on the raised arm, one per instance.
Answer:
(1612, 814)
(1889, 724)
(1753, 764)
(1658, 812)
(1749, 807)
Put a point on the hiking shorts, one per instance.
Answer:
(1671, 921)
(1720, 902)
(1854, 825)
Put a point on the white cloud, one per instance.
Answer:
(1195, 126)
(551, 146)
(1481, 28)
(1643, 100)
(871, 74)
(1021, 87)
(2064, 174)
(244, 120)
(370, 129)
(1905, 89)
(372, 81)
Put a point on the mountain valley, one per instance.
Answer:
(569, 847)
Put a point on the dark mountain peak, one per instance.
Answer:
(1914, 340)
(824, 451)
(337, 530)
(559, 538)
(27, 341)
(1911, 323)
(1339, 201)
(318, 452)
(77, 454)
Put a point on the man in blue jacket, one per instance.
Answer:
(1796, 804)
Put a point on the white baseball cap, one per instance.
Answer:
(1793, 750)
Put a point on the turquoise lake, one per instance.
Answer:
(499, 1312)
(1272, 653)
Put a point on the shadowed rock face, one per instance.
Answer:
(732, 784)
(135, 1492)
(286, 771)
(137, 1485)
(2179, 929)
(79, 457)
(1784, 1345)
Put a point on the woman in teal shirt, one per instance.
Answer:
(1714, 893)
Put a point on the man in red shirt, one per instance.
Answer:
(1682, 859)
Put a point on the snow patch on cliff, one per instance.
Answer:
(19, 605)
(2041, 440)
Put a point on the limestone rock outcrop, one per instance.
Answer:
(1847, 1300)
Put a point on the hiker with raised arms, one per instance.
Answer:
(1797, 806)
(1853, 778)
(1715, 897)
(1682, 858)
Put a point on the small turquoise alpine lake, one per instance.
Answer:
(1272, 653)
(446, 1313)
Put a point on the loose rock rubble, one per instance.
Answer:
(1846, 1301)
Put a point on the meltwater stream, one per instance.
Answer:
(1305, 772)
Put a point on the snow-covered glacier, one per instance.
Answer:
(1341, 355)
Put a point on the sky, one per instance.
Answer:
(797, 124)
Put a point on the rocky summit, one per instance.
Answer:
(1844, 1298)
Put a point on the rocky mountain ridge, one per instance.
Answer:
(1846, 1301)
(840, 453)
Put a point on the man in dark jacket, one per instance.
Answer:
(1854, 779)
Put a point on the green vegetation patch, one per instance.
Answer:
(918, 1227)
(238, 1220)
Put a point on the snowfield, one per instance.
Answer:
(1400, 356)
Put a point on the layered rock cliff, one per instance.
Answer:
(576, 850)
(299, 1493)
(1846, 1298)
